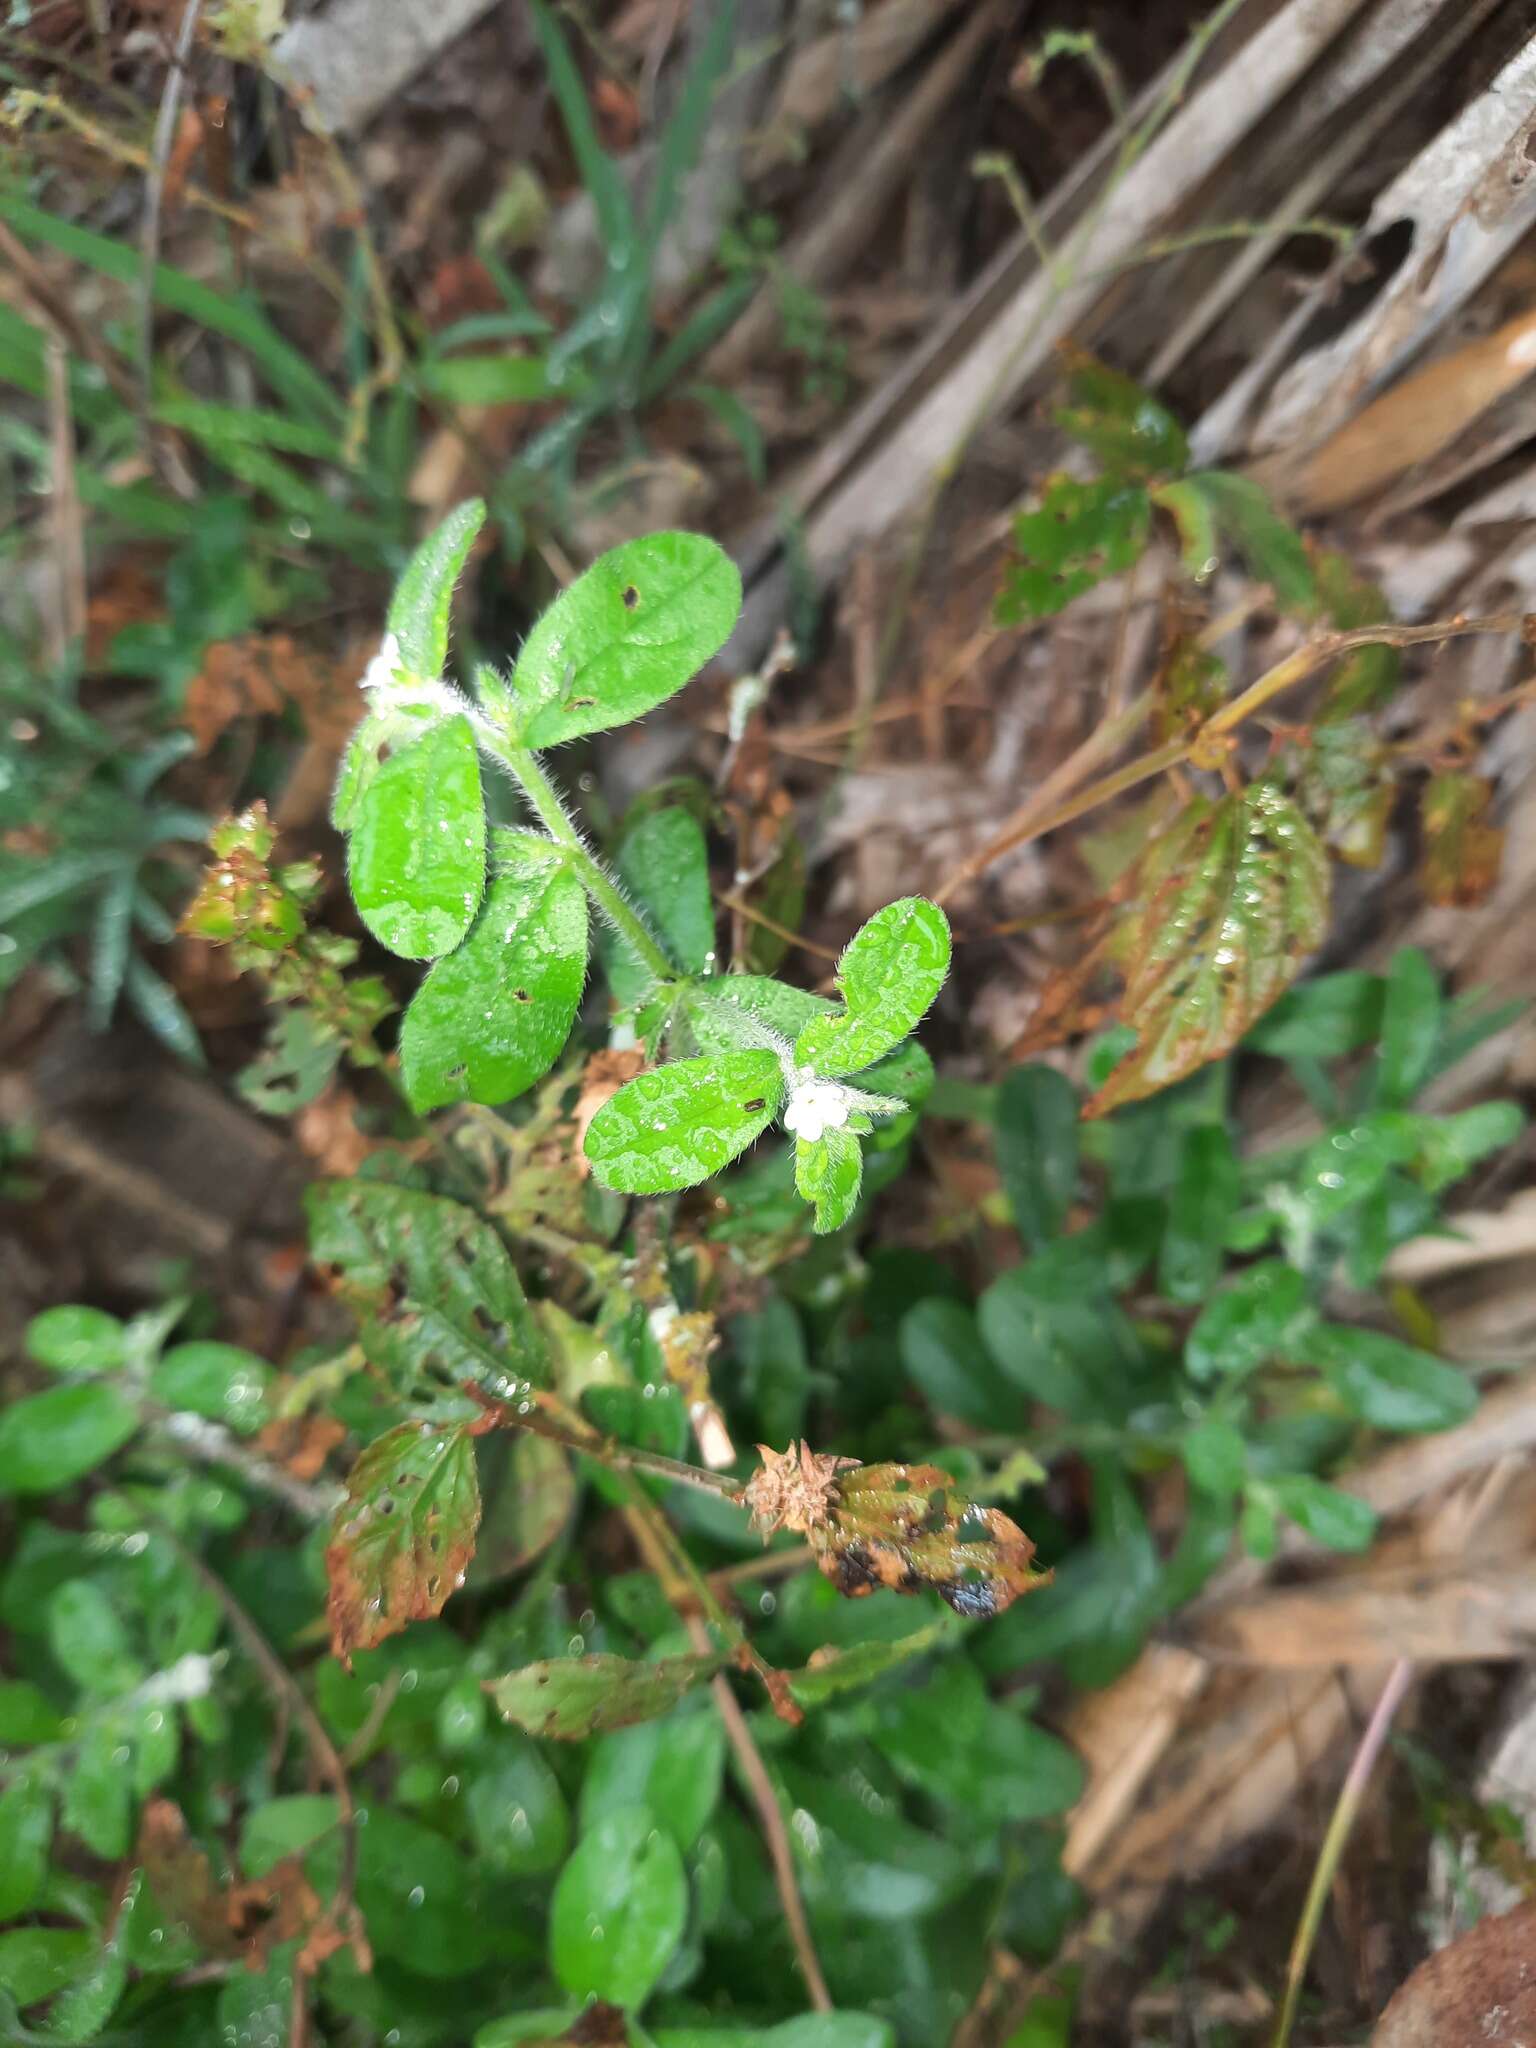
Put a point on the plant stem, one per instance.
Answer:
(544, 799)
(1339, 1828)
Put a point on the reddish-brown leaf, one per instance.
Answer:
(1462, 851)
(402, 1539)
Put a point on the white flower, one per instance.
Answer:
(384, 665)
(815, 1107)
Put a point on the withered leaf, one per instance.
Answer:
(1462, 851)
(403, 1537)
(907, 1528)
(232, 1922)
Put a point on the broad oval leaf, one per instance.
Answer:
(828, 1173)
(1237, 898)
(438, 1298)
(625, 636)
(75, 1339)
(52, 1439)
(493, 1017)
(418, 612)
(1249, 1322)
(217, 1380)
(416, 857)
(619, 1909)
(26, 1833)
(402, 1539)
(1388, 1383)
(1036, 1140)
(573, 1697)
(517, 1813)
(889, 974)
(1333, 1518)
(420, 1897)
(664, 861)
(677, 1125)
(674, 1766)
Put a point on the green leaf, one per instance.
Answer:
(98, 1803)
(419, 609)
(1410, 1028)
(676, 1126)
(664, 861)
(889, 973)
(284, 1827)
(828, 1173)
(52, 1439)
(35, 1962)
(217, 1380)
(733, 1011)
(1249, 1322)
(27, 1716)
(624, 637)
(673, 1766)
(846, 1670)
(74, 1339)
(26, 1835)
(1079, 534)
(571, 1698)
(436, 1292)
(1269, 545)
(1132, 433)
(402, 1539)
(83, 2007)
(1194, 518)
(1036, 1139)
(416, 856)
(88, 1639)
(1387, 1383)
(517, 1815)
(1322, 1020)
(1205, 1197)
(1215, 1457)
(495, 380)
(257, 2006)
(420, 1898)
(1334, 1519)
(1237, 901)
(619, 1910)
(493, 1017)
(944, 1356)
(947, 1739)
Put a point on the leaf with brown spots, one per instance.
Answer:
(1462, 851)
(574, 1697)
(403, 1537)
(1233, 899)
(906, 1528)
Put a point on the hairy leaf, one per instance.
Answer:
(664, 861)
(494, 1016)
(889, 973)
(402, 1539)
(1079, 534)
(416, 857)
(677, 1125)
(418, 612)
(1240, 899)
(574, 1697)
(436, 1293)
(828, 1172)
(732, 1011)
(624, 637)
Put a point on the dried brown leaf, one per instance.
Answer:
(1462, 851)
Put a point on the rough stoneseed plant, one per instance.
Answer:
(504, 916)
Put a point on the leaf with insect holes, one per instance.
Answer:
(889, 974)
(1462, 851)
(416, 858)
(493, 1017)
(436, 1294)
(418, 612)
(1132, 433)
(1239, 899)
(573, 1697)
(402, 1539)
(677, 1125)
(663, 860)
(828, 1171)
(624, 637)
(1077, 535)
(906, 1528)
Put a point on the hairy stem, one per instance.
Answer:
(544, 800)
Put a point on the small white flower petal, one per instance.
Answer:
(383, 667)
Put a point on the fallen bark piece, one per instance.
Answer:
(357, 54)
